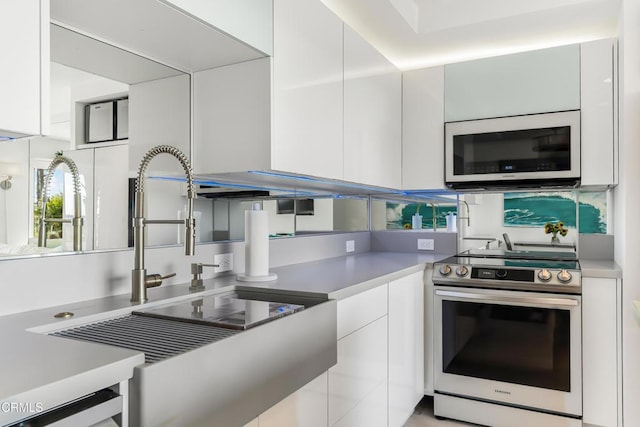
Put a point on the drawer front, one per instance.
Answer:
(359, 310)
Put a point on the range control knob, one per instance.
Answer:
(462, 271)
(544, 275)
(564, 276)
(445, 270)
(501, 273)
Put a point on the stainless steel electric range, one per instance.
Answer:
(508, 338)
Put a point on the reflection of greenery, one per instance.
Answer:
(54, 210)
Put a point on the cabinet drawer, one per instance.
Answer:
(359, 310)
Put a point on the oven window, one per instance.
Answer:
(533, 150)
(520, 345)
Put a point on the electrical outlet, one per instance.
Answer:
(225, 262)
(351, 245)
(425, 244)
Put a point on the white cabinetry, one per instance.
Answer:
(598, 149)
(601, 352)
(307, 89)
(372, 114)
(378, 377)
(429, 332)
(24, 74)
(423, 129)
(307, 407)
(358, 382)
(232, 120)
(406, 347)
(532, 82)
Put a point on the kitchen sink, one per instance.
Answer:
(219, 359)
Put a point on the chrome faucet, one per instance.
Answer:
(77, 220)
(140, 281)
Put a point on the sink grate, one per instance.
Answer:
(157, 338)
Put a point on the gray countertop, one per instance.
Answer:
(51, 370)
(600, 269)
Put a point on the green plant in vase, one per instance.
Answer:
(554, 229)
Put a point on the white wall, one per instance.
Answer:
(627, 204)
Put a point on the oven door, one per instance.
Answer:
(511, 347)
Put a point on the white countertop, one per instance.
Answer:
(37, 368)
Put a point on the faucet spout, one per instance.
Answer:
(77, 220)
(140, 281)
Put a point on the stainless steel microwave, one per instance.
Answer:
(537, 150)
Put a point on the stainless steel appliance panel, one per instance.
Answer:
(542, 148)
(510, 347)
(99, 122)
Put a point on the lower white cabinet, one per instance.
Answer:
(379, 376)
(601, 352)
(358, 382)
(307, 407)
(406, 347)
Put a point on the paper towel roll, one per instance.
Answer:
(256, 243)
(256, 246)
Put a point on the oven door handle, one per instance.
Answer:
(546, 301)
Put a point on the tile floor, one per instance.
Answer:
(423, 417)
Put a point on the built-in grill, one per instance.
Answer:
(157, 338)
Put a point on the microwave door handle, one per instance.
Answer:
(537, 301)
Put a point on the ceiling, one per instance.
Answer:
(422, 33)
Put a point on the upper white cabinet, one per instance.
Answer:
(326, 104)
(24, 74)
(597, 90)
(423, 129)
(372, 114)
(307, 89)
(232, 118)
(532, 82)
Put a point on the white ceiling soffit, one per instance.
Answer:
(421, 33)
(155, 30)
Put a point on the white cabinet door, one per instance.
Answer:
(532, 82)
(423, 129)
(598, 151)
(601, 346)
(307, 89)
(429, 332)
(232, 118)
(372, 114)
(307, 407)
(358, 382)
(24, 74)
(406, 347)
